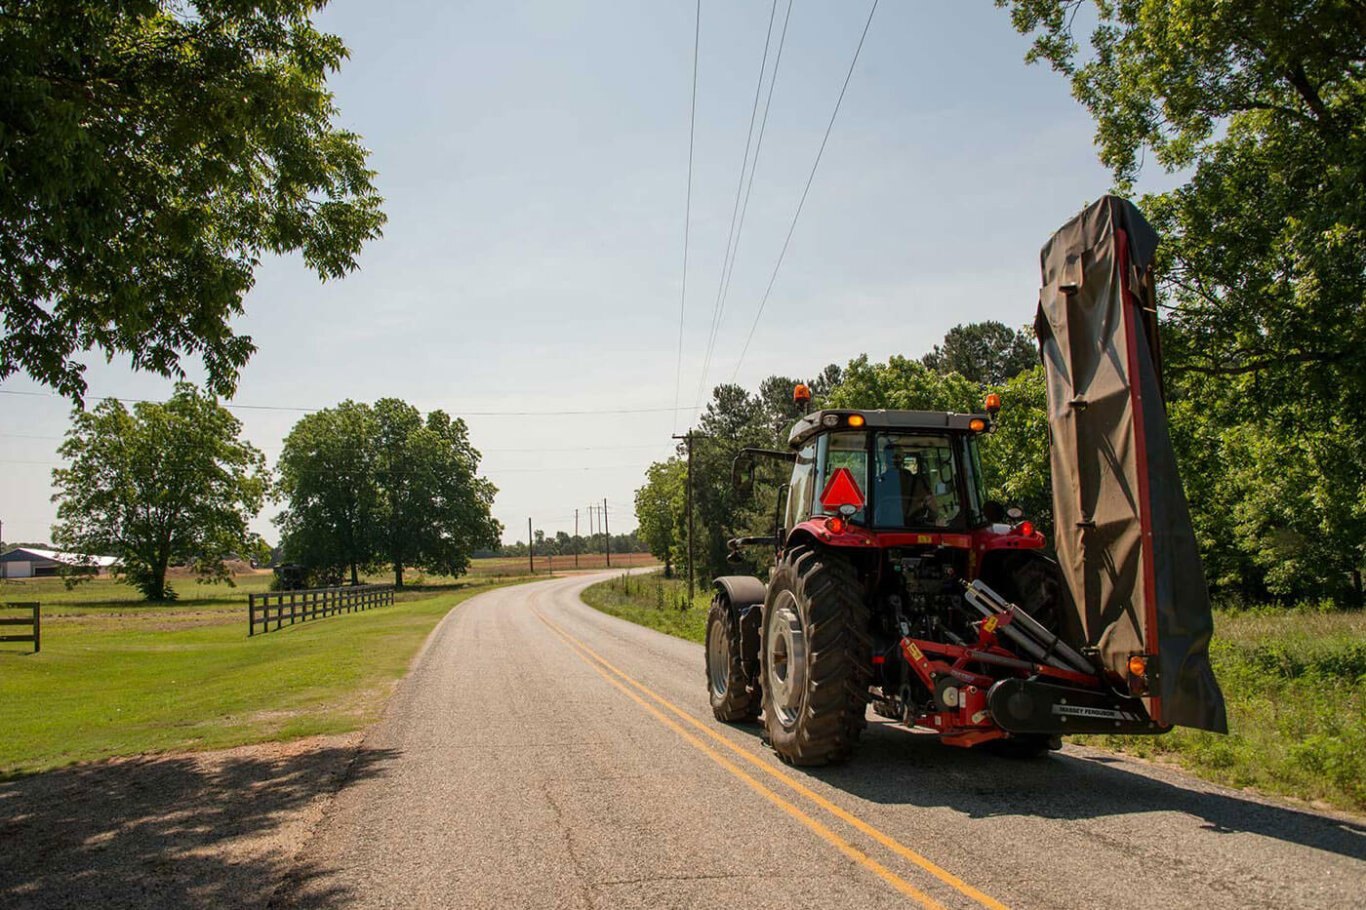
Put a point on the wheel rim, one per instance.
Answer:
(785, 649)
(718, 657)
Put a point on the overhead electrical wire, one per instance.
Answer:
(726, 258)
(807, 189)
(458, 412)
(687, 213)
(758, 147)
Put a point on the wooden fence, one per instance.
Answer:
(285, 608)
(34, 621)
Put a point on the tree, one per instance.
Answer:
(327, 474)
(1260, 105)
(434, 508)
(1015, 464)
(986, 352)
(660, 504)
(165, 484)
(152, 151)
(902, 384)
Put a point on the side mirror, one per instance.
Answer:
(742, 475)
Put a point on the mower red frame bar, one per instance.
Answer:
(969, 722)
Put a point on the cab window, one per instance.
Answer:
(801, 488)
(915, 482)
(841, 450)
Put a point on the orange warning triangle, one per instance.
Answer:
(841, 490)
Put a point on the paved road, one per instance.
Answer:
(542, 754)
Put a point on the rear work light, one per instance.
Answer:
(842, 493)
(1025, 529)
(835, 525)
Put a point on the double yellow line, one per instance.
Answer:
(616, 677)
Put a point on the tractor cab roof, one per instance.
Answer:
(829, 420)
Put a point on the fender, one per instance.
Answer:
(741, 590)
(744, 596)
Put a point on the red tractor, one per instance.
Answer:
(896, 582)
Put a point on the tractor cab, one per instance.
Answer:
(888, 471)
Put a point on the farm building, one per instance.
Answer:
(26, 562)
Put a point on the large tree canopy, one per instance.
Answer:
(1263, 103)
(1260, 105)
(987, 352)
(382, 486)
(151, 152)
(327, 474)
(162, 485)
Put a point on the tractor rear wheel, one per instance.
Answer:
(816, 657)
(727, 684)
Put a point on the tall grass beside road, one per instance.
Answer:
(1295, 685)
(655, 602)
(1294, 682)
(128, 678)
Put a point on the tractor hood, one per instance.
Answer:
(1124, 538)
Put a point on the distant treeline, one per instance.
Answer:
(562, 544)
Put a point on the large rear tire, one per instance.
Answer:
(816, 658)
(727, 684)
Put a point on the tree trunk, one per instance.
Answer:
(159, 578)
(398, 575)
(354, 579)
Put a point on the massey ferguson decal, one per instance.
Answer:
(1106, 713)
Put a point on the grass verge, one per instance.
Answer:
(1294, 683)
(653, 601)
(147, 679)
(1295, 687)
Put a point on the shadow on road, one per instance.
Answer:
(211, 830)
(897, 766)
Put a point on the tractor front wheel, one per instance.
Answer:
(816, 658)
(727, 684)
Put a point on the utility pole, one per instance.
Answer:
(576, 538)
(530, 548)
(688, 437)
(606, 534)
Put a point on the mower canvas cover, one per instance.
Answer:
(1123, 531)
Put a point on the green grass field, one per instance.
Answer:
(1294, 682)
(116, 677)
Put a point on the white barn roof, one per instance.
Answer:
(20, 554)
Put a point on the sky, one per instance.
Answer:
(534, 161)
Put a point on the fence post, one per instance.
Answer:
(251, 615)
(37, 628)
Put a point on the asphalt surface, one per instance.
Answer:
(542, 754)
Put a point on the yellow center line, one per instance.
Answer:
(824, 832)
(843, 815)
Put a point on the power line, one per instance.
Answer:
(458, 412)
(562, 468)
(758, 147)
(807, 189)
(687, 211)
(719, 306)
